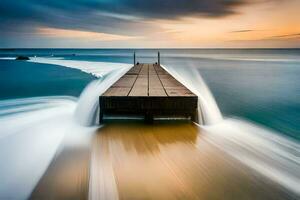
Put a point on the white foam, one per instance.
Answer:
(97, 69)
(8, 58)
(265, 151)
(88, 106)
(236, 57)
(208, 110)
(108, 73)
(87, 111)
(29, 139)
(268, 153)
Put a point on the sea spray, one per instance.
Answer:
(98, 69)
(265, 151)
(272, 155)
(31, 131)
(208, 110)
(87, 111)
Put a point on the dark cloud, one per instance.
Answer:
(124, 17)
(26, 14)
(103, 14)
(142, 8)
(242, 31)
(286, 36)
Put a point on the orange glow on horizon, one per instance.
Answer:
(258, 24)
(264, 24)
(76, 34)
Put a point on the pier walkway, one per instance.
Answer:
(150, 91)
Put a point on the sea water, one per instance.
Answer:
(260, 85)
(250, 98)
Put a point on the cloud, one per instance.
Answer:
(20, 19)
(107, 16)
(294, 35)
(74, 34)
(242, 31)
(148, 9)
(286, 37)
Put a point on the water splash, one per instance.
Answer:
(265, 151)
(87, 111)
(30, 132)
(98, 69)
(208, 110)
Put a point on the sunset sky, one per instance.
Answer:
(150, 23)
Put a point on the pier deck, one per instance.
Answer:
(150, 91)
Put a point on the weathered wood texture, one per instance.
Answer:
(149, 90)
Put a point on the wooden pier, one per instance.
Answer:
(150, 91)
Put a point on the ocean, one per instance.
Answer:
(251, 98)
(260, 85)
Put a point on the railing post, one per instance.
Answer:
(158, 58)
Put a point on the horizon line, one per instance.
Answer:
(146, 48)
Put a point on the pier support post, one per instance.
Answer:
(158, 58)
(194, 116)
(101, 106)
(134, 61)
(149, 118)
(101, 118)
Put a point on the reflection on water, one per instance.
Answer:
(168, 161)
(67, 177)
(148, 139)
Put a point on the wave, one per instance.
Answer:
(87, 111)
(40, 123)
(8, 58)
(265, 151)
(98, 69)
(236, 57)
(208, 110)
(31, 130)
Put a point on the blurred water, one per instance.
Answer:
(31, 131)
(261, 86)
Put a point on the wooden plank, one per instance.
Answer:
(154, 82)
(140, 87)
(157, 92)
(155, 86)
(170, 82)
(152, 70)
(179, 92)
(144, 70)
(125, 81)
(135, 70)
(160, 70)
(117, 91)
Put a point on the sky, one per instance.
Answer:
(150, 24)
